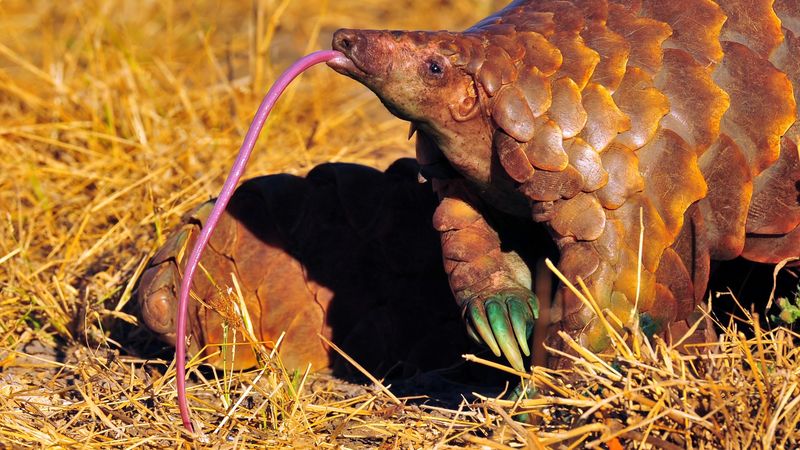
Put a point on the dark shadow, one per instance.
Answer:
(751, 284)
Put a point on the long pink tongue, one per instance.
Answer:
(222, 201)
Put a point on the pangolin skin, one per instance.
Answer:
(590, 116)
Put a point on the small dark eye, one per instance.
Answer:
(435, 68)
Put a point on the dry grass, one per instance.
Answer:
(117, 116)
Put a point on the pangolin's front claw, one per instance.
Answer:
(504, 321)
(477, 314)
(522, 317)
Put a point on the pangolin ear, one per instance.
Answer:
(511, 112)
(466, 109)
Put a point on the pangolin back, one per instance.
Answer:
(683, 111)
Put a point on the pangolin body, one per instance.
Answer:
(587, 116)
(591, 115)
(685, 111)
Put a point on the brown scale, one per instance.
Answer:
(645, 105)
(758, 86)
(695, 24)
(752, 23)
(788, 12)
(624, 178)
(546, 149)
(775, 208)
(546, 186)
(613, 50)
(593, 10)
(604, 118)
(725, 207)
(566, 108)
(645, 36)
(695, 103)
(540, 53)
(670, 190)
(579, 61)
(535, 87)
(569, 18)
(585, 159)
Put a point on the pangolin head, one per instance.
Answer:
(412, 72)
(423, 77)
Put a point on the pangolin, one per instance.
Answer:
(647, 137)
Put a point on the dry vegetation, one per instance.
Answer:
(117, 116)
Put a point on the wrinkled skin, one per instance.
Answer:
(581, 114)
(585, 117)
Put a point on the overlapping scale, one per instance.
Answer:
(579, 61)
(644, 105)
(762, 107)
(581, 217)
(624, 178)
(539, 53)
(672, 110)
(546, 186)
(604, 118)
(696, 103)
(752, 23)
(695, 23)
(512, 157)
(511, 112)
(730, 187)
(546, 149)
(587, 162)
(497, 70)
(566, 108)
(613, 50)
(788, 11)
(673, 180)
(644, 34)
(775, 207)
(535, 86)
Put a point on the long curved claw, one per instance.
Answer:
(503, 320)
(473, 334)
(478, 316)
(521, 322)
(498, 318)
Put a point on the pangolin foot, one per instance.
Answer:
(523, 390)
(159, 284)
(503, 320)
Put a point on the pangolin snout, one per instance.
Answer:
(356, 56)
(346, 41)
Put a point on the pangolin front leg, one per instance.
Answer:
(492, 286)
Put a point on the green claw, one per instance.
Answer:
(472, 334)
(533, 302)
(478, 316)
(521, 322)
(498, 318)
